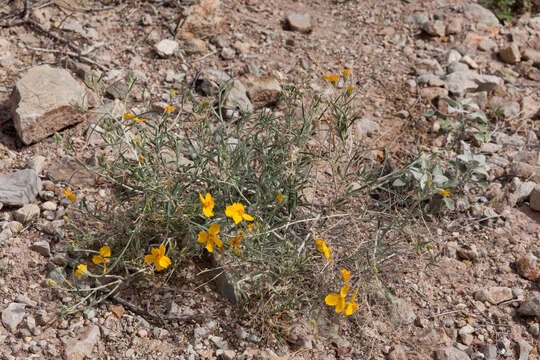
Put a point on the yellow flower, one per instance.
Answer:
(141, 159)
(103, 257)
(352, 305)
(129, 115)
(236, 212)
(210, 238)
(136, 140)
(237, 242)
(345, 274)
(138, 119)
(250, 227)
(350, 89)
(167, 183)
(70, 195)
(169, 108)
(173, 92)
(81, 269)
(323, 249)
(338, 300)
(445, 192)
(208, 204)
(158, 258)
(333, 79)
(280, 197)
(346, 73)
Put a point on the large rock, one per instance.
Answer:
(262, 91)
(530, 307)
(534, 200)
(210, 81)
(19, 188)
(462, 82)
(480, 14)
(510, 54)
(299, 22)
(495, 295)
(451, 353)
(203, 19)
(46, 100)
(70, 171)
(531, 54)
(237, 98)
(13, 315)
(82, 347)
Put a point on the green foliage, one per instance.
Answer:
(506, 10)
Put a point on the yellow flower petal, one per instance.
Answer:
(340, 305)
(346, 275)
(105, 251)
(163, 263)
(203, 237)
(210, 246)
(332, 299)
(351, 308)
(247, 217)
(81, 269)
(97, 259)
(344, 290)
(148, 259)
(332, 78)
(213, 229)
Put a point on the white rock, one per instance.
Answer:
(82, 347)
(166, 47)
(13, 315)
(27, 213)
(19, 188)
(462, 82)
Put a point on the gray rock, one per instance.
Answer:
(531, 54)
(430, 80)
(534, 199)
(455, 25)
(401, 311)
(495, 295)
(27, 213)
(19, 188)
(262, 91)
(37, 163)
(83, 346)
(435, 28)
(5, 234)
(398, 353)
(524, 349)
(510, 54)
(530, 307)
(451, 353)
(236, 98)
(522, 191)
(41, 247)
(13, 315)
(118, 90)
(513, 140)
(457, 66)
(490, 148)
(462, 82)
(428, 66)
(22, 299)
(43, 102)
(166, 47)
(31, 325)
(452, 56)
(487, 44)
(480, 14)
(211, 80)
(420, 18)
(366, 127)
(299, 22)
(490, 351)
(68, 170)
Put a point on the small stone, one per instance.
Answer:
(49, 205)
(455, 25)
(430, 80)
(524, 349)
(68, 170)
(469, 61)
(19, 188)
(81, 347)
(228, 355)
(530, 307)
(5, 234)
(534, 329)
(22, 299)
(435, 28)
(532, 55)
(13, 315)
(27, 213)
(118, 90)
(228, 53)
(166, 47)
(452, 56)
(428, 66)
(237, 97)
(490, 351)
(401, 311)
(527, 266)
(468, 252)
(432, 93)
(262, 91)
(495, 295)
(510, 54)
(42, 248)
(487, 45)
(117, 310)
(451, 353)
(534, 198)
(398, 353)
(461, 82)
(457, 66)
(37, 163)
(299, 22)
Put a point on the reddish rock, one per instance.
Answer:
(527, 266)
(203, 19)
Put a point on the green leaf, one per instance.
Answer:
(449, 203)
(398, 182)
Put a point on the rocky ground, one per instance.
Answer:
(481, 301)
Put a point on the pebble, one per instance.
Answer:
(13, 315)
(510, 54)
(299, 22)
(495, 295)
(166, 47)
(530, 307)
(27, 213)
(527, 266)
(42, 248)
